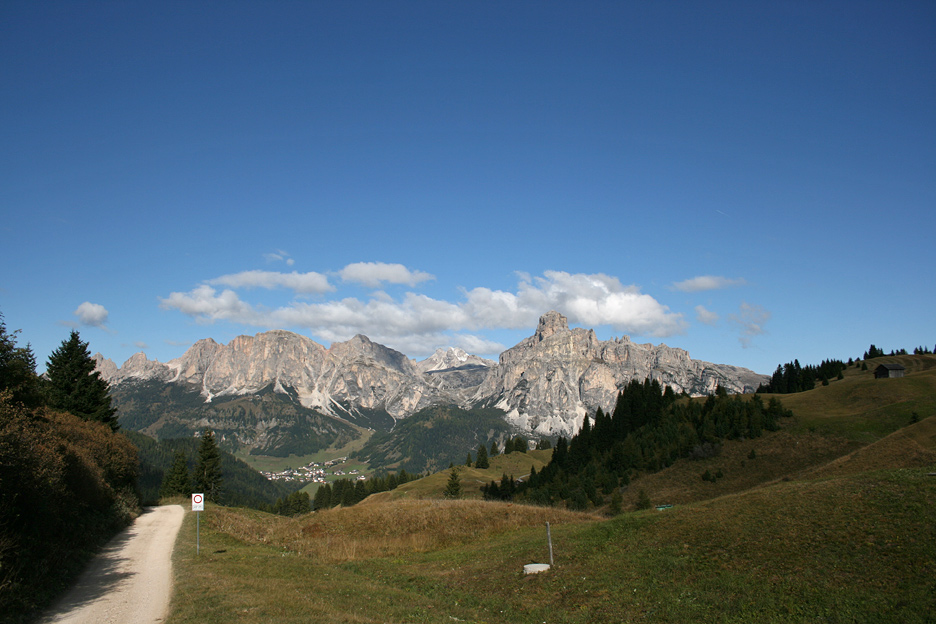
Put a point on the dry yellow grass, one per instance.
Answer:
(380, 530)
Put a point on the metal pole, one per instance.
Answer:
(549, 539)
(198, 532)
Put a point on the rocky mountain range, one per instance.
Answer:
(544, 385)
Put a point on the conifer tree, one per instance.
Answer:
(207, 478)
(494, 449)
(74, 386)
(177, 482)
(18, 369)
(453, 487)
(482, 461)
(323, 496)
(508, 446)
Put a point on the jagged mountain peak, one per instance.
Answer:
(549, 324)
(452, 357)
(545, 384)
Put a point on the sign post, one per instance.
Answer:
(198, 505)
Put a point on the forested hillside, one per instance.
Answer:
(67, 478)
(433, 438)
(242, 486)
(648, 430)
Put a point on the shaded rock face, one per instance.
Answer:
(546, 384)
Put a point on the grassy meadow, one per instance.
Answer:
(831, 519)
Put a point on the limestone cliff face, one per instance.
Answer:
(353, 374)
(549, 381)
(545, 384)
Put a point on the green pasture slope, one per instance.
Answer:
(840, 528)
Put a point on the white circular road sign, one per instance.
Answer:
(198, 502)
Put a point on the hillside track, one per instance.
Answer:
(131, 579)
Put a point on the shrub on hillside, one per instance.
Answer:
(66, 485)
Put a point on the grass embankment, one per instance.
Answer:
(864, 409)
(857, 548)
(832, 519)
(515, 465)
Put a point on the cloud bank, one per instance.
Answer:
(417, 324)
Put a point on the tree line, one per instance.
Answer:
(648, 430)
(791, 377)
(67, 476)
(348, 492)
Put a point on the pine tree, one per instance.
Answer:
(176, 481)
(18, 369)
(482, 461)
(494, 451)
(453, 487)
(207, 478)
(323, 497)
(74, 386)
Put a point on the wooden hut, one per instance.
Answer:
(889, 370)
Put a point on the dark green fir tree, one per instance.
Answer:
(207, 478)
(453, 487)
(74, 386)
(177, 481)
(482, 460)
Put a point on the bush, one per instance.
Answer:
(643, 500)
(66, 486)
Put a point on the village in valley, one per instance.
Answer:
(315, 472)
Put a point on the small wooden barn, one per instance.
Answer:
(889, 370)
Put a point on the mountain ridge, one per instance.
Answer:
(545, 384)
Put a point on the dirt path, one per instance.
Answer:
(130, 581)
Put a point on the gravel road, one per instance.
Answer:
(131, 580)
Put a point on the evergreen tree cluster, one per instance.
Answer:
(647, 431)
(791, 377)
(70, 383)
(875, 352)
(503, 492)
(518, 444)
(294, 504)
(67, 478)
(348, 492)
(167, 465)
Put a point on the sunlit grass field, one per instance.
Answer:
(831, 519)
(859, 548)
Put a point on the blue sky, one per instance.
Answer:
(750, 181)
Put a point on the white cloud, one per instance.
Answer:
(586, 299)
(707, 282)
(418, 324)
(205, 305)
(372, 274)
(706, 316)
(302, 283)
(92, 314)
(279, 256)
(750, 320)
